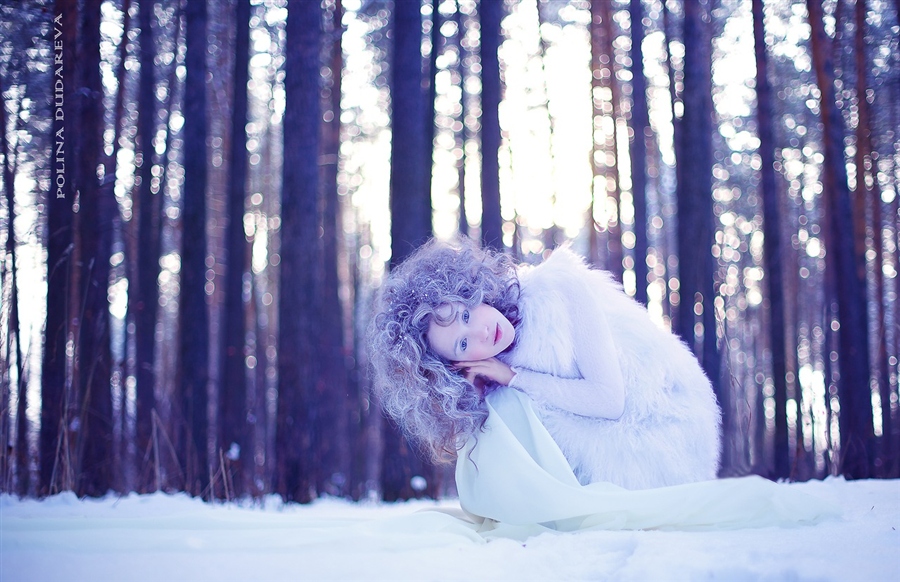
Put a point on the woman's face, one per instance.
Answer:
(473, 334)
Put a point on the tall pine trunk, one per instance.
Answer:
(615, 261)
(235, 435)
(463, 63)
(165, 451)
(13, 325)
(121, 467)
(194, 316)
(597, 194)
(145, 296)
(97, 208)
(296, 470)
(491, 13)
(640, 125)
(857, 432)
(866, 168)
(410, 206)
(669, 308)
(59, 252)
(696, 221)
(334, 382)
(772, 252)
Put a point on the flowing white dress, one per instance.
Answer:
(548, 456)
(513, 479)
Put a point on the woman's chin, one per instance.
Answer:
(508, 346)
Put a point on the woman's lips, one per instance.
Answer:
(497, 334)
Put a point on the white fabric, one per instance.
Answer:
(515, 480)
(579, 342)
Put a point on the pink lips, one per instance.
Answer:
(497, 334)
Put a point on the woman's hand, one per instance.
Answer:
(489, 369)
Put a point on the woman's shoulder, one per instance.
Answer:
(567, 268)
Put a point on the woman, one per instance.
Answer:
(563, 404)
(624, 400)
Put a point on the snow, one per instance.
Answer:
(175, 537)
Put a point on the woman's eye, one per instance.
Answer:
(465, 316)
(463, 344)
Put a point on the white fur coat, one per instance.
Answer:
(669, 431)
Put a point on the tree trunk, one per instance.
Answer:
(463, 48)
(146, 274)
(491, 13)
(640, 125)
(772, 252)
(857, 437)
(670, 71)
(164, 453)
(13, 328)
(332, 385)
(597, 150)
(696, 230)
(194, 324)
(97, 208)
(866, 167)
(669, 309)
(410, 206)
(431, 94)
(615, 262)
(121, 476)
(296, 471)
(59, 249)
(235, 437)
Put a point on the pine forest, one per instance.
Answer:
(201, 199)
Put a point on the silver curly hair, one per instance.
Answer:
(434, 405)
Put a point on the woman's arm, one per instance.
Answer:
(600, 392)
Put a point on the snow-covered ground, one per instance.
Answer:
(162, 537)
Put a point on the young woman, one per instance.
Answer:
(562, 403)
(625, 401)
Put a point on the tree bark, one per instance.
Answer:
(296, 472)
(410, 206)
(640, 125)
(491, 13)
(866, 167)
(614, 231)
(857, 437)
(696, 221)
(13, 328)
(462, 45)
(59, 250)
(194, 323)
(121, 472)
(332, 387)
(95, 475)
(772, 252)
(146, 274)
(235, 436)
(431, 94)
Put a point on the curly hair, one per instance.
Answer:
(435, 406)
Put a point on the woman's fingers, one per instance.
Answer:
(467, 372)
(490, 369)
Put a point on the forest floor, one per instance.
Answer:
(175, 537)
